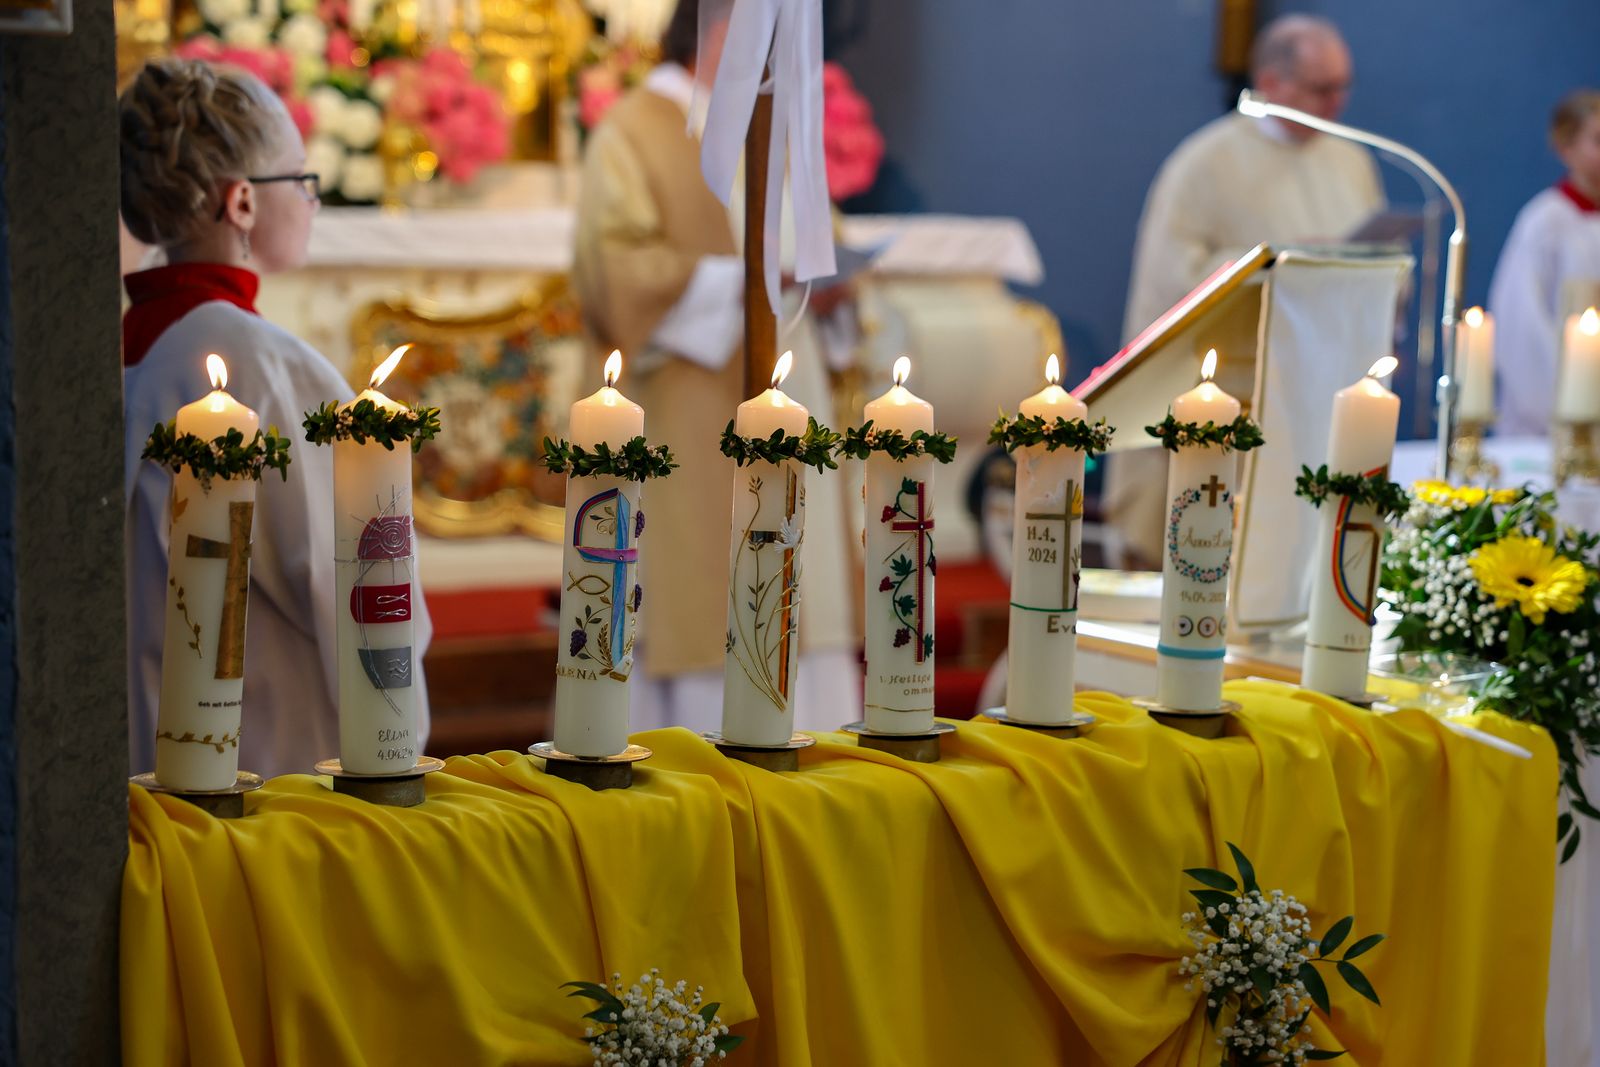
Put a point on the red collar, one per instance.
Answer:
(162, 296)
(1574, 194)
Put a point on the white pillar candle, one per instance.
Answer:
(208, 585)
(375, 576)
(600, 591)
(1475, 366)
(1046, 547)
(1344, 581)
(1198, 545)
(1578, 395)
(899, 569)
(769, 515)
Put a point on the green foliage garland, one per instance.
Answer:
(1026, 430)
(1375, 489)
(635, 461)
(226, 457)
(814, 448)
(365, 421)
(859, 442)
(1240, 435)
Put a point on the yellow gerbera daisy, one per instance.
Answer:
(1527, 572)
(1460, 497)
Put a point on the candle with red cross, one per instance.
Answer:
(900, 568)
(600, 590)
(1197, 548)
(208, 582)
(375, 590)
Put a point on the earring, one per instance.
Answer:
(244, 242)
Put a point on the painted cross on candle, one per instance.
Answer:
(1062, 552)
(1212, 488)
(618, 554)
(236, 585)
(919, 526)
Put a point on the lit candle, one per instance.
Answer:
(1475, 366)
(900, 569)
(208, 587)
(1045, 559)
(1201, 483)
(1578, 396)
(375, 576)
(600, 593)
(1344, 582)
(769, 515)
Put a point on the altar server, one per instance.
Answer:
(658, 272)
(1549, 269)
(213, 176)
(1232, 184)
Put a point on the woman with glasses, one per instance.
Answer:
(213, 175)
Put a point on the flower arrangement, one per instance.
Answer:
(1490, 573)
(852, 145)
(652, 1024)
(1256, 961)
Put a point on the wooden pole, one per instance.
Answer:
(760, 325)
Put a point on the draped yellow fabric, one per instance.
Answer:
(1018, 902)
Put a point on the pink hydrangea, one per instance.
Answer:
(272, 65)
(341, 51)
(851, 144)
(464, 121)
(300, 112)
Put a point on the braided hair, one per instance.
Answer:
(186, 129)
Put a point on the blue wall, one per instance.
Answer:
(1000, 107)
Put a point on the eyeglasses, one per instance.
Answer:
(310, 186)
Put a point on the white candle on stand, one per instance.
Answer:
(375, 575)
(899, 569)
(1475, 366)
(1201, 484)
(1344, 579)
(1045, 559)
(769, 501)
(208, 585)
(1578, 396)
(600, 591)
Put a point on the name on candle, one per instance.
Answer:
(1053, 625)
(913, 684)
(581, 673)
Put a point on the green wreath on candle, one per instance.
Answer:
(226, 457)
(634, 461)
(859, 442)
(1388, 498)
(1240, 435)
(1090, 438)
(814, 448)
(365, 421)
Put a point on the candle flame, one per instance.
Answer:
(1052, 369)
(386, 368)
(1383, 368)
(613, 367)
(902, 370)
(1474, 317)
(218, 371)
(1590, 323)
(1208, 367)
(780, 371)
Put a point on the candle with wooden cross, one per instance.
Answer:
(1344, 582)
(900, 568)
(600, 591)
(1045, 560)
(208, 587)
(375, 588)
(769, 517)
(1197, 550)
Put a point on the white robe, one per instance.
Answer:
(290, 683)
(1553, 242)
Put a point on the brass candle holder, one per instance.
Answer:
(1576, 455)
(1466, 452)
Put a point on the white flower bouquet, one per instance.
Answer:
(652, 1024)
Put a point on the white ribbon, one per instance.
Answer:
(790, 32)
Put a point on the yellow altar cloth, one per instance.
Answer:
(1017, 903)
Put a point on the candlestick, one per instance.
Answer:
(208, 587)
(375, 568)
(1578, 395)
(1046, 556)
(1201, 481)
(900, 568)
(1475, 366)
(600, 593)
(763, 576)
(1344, 584)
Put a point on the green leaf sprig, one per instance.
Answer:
(1389, 498)
(1024, 431)
(635, 461)
(226, 457)
(365, 421)
(859, 442)
(1240, 435)
(814, 448)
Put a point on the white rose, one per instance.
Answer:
(246, 33)
(363, 177)
(327, 109)
(308, 70)
(325, 159)
(360, 124)
(304, 35)
(381, 89)
(221, 12)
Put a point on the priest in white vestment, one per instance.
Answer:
(1232, 184)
